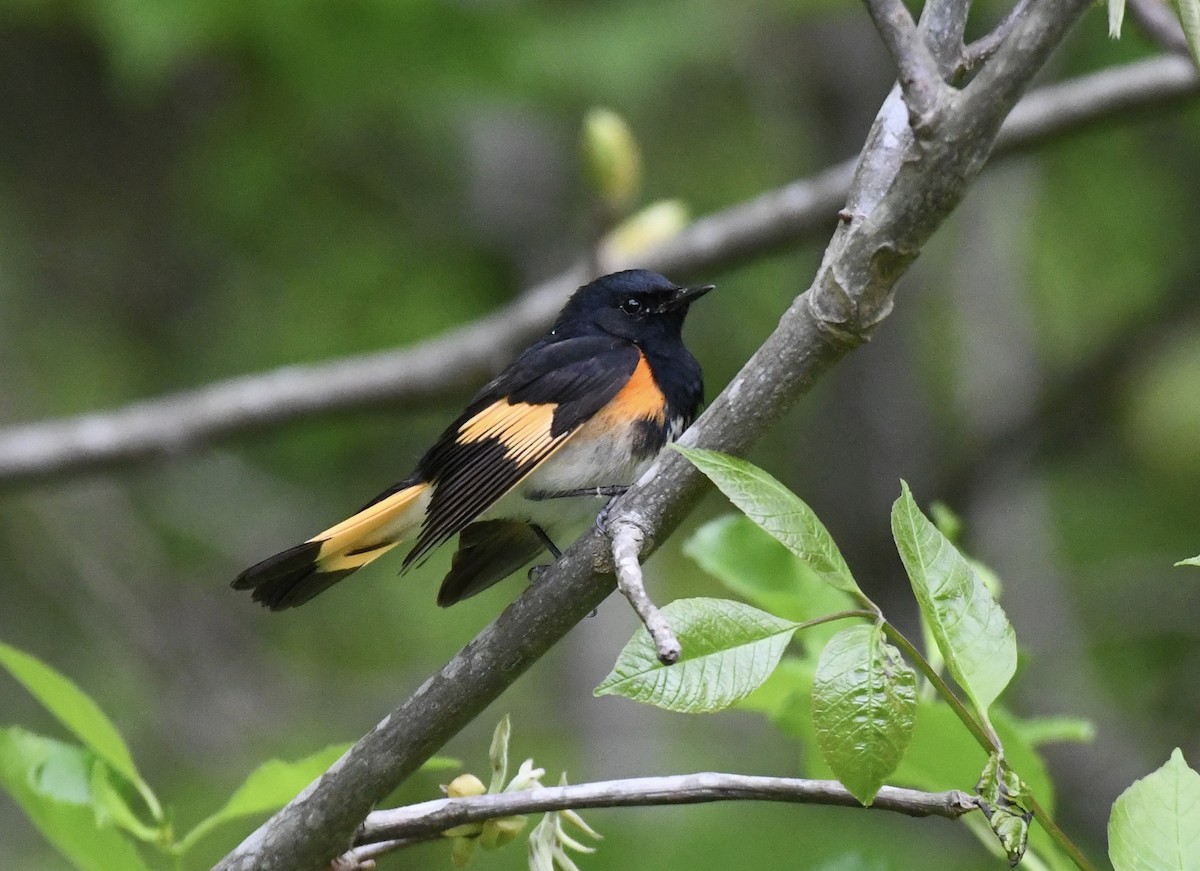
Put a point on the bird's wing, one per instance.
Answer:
(514, 425)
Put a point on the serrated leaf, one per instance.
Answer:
(863, 701)
(1194, 561)
(268, 787)
(51, 782)
(1155, 823)
(756, 567)
(777, 510)
(76, 711)
(969, 626)
(729, 650)
(1189, 18)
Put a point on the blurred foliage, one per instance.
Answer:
(191, 190)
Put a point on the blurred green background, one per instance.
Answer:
(192, 190)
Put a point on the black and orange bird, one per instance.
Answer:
(571, 423)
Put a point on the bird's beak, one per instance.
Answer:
(685, 296)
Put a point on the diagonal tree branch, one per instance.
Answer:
(173, 424)
(851, 294)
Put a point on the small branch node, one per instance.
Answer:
(834, 312)
(627, 537)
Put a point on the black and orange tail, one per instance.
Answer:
(294, 576)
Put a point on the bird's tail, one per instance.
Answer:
(297, 574)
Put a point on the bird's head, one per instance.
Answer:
(636, 304)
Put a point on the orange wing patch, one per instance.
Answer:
(524, 429)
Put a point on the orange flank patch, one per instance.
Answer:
(522, 428)
(373, 531)
(639, 399)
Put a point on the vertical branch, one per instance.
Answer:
(919, 77)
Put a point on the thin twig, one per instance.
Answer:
(627, 538)
(362, 857)
(436, 816)
(172, 424)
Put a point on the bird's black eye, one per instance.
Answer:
(632, 306)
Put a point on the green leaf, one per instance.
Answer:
(729, 650)
(971, 629)
(1155, 823)
(864, 698)
(1189, 17)
(76, 710)
(269, 787)
(756, 567)
(51, 782)
(1036, 731)
(112, 807)
(786, 699)
(1194, 561)
(947, 521)
(779, 511)
(1005, 802)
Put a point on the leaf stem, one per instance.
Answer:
(839, 615)
(150, 799)
(987, 740)
(1059, 836)
(986, 736)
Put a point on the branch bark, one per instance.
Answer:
(849, 297)
(418, 821)
(627, 540)
(170, 425)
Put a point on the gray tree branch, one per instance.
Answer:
(1160, 23)
(851, 294)
(627, 538)
(920, 79)
(418, 821)
(463, 357)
